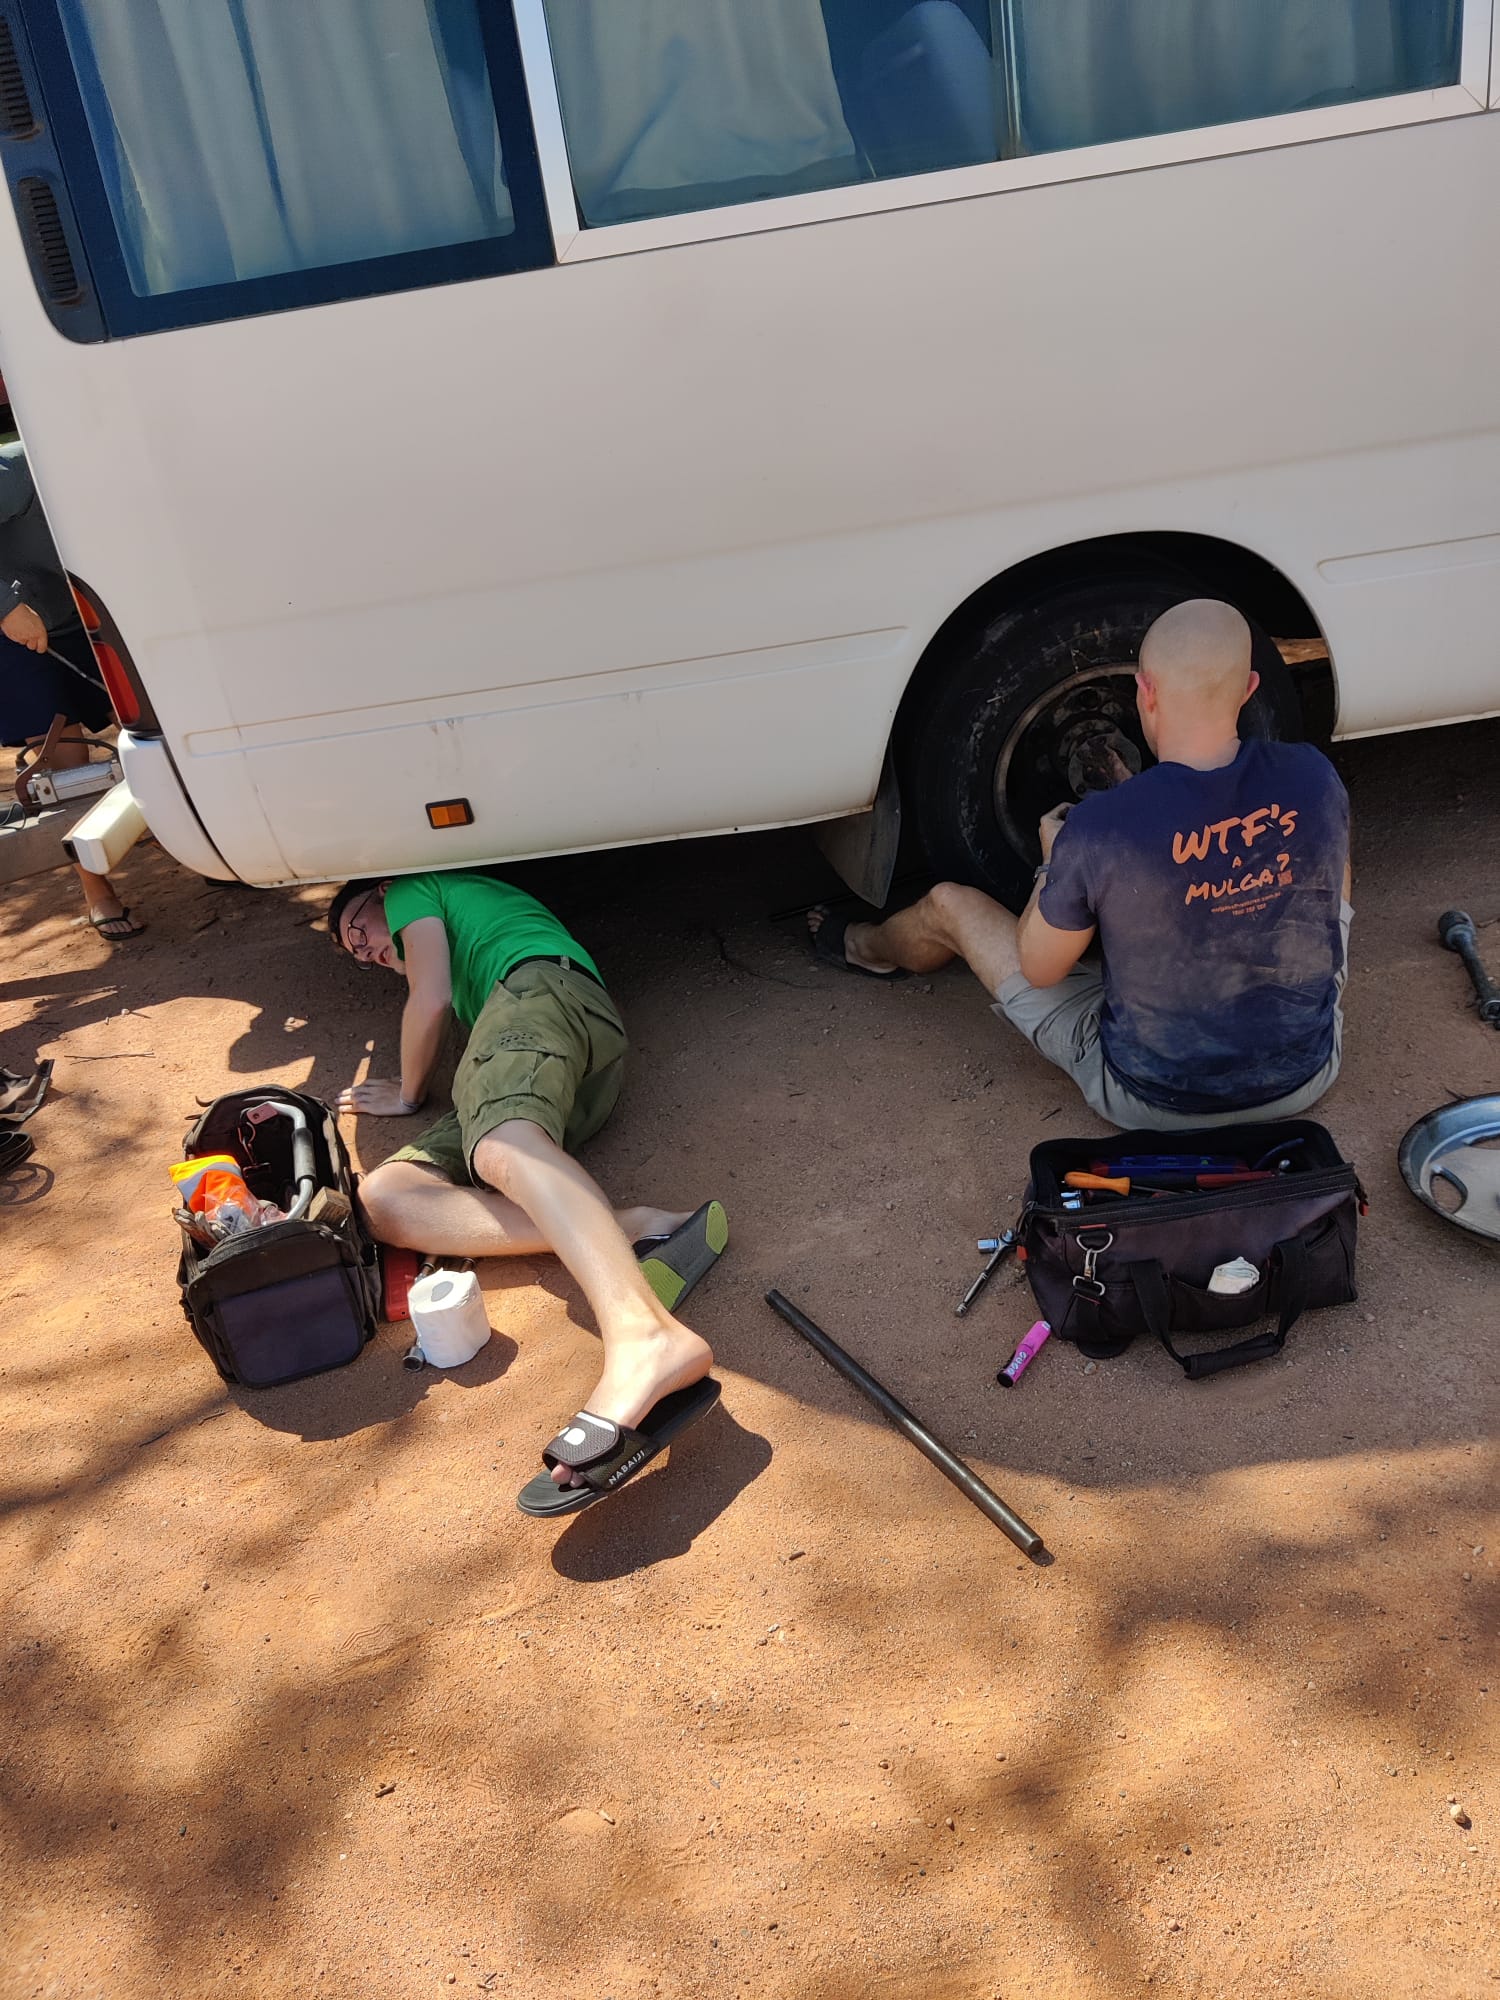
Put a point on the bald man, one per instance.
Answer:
(1217, 883)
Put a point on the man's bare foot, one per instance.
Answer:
(856, 942)
(639, 1371)
(112, 920)
(106, 912)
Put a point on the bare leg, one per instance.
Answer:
(417, 1208)
(101, 896)
(98, 891)
(949, 922)
(647, 1353)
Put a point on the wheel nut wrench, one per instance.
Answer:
(998, 1246)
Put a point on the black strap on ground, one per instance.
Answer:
(947, 1462)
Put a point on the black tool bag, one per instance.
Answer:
(294, 1297)
(1118, 1266)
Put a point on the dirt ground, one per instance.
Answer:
(293, 1701)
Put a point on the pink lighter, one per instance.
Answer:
(1013, 1370)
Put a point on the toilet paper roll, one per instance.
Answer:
(448, 1317)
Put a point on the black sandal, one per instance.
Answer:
(606, 1455)
(109, 927)
(674, 1264)
(828, 942)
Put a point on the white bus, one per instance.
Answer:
(491, 428)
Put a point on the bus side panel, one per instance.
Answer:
(482, 502)
(568, 764)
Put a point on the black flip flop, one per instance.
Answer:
(109, 927)
(605, 1455)
(674, 1264)
(828, 942)
(14, 1148)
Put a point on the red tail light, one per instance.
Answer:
(132, 701)
(117, 684)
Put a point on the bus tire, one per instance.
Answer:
(1043, 687)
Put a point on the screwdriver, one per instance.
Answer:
(1165, 1184)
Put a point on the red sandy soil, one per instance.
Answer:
(294, 1702)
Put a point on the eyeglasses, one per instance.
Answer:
(358, 940)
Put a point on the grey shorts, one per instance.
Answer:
(1062, 1023)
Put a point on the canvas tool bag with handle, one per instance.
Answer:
(1118, 1266)
(294, 1297)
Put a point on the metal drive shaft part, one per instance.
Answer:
(948, 1463)
(1456, 932)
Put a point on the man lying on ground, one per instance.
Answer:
(1217, 882)
(496, 1178)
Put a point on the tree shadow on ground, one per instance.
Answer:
(306, 1708)
(891, 1728)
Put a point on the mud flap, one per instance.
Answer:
(862, 848)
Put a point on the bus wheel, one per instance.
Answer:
(1038, 707)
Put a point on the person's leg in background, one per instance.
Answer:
(107, 913)
(35, 687)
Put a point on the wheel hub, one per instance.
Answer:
(1081, 736)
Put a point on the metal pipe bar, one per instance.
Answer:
(948, 1463)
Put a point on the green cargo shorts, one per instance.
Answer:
(549, 1047)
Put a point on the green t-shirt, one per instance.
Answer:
(491, 927)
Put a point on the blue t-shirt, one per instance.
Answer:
(1217, 898)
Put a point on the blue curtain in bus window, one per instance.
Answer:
(240, 138)
(1095, 70)
(919, 82)
(685, 104)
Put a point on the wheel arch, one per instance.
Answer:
(1220, 567)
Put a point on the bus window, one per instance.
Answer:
(686, 104)
(1089, 71)
(250, 144)
(675, 105)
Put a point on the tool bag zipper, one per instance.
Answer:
(1323, 1180)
